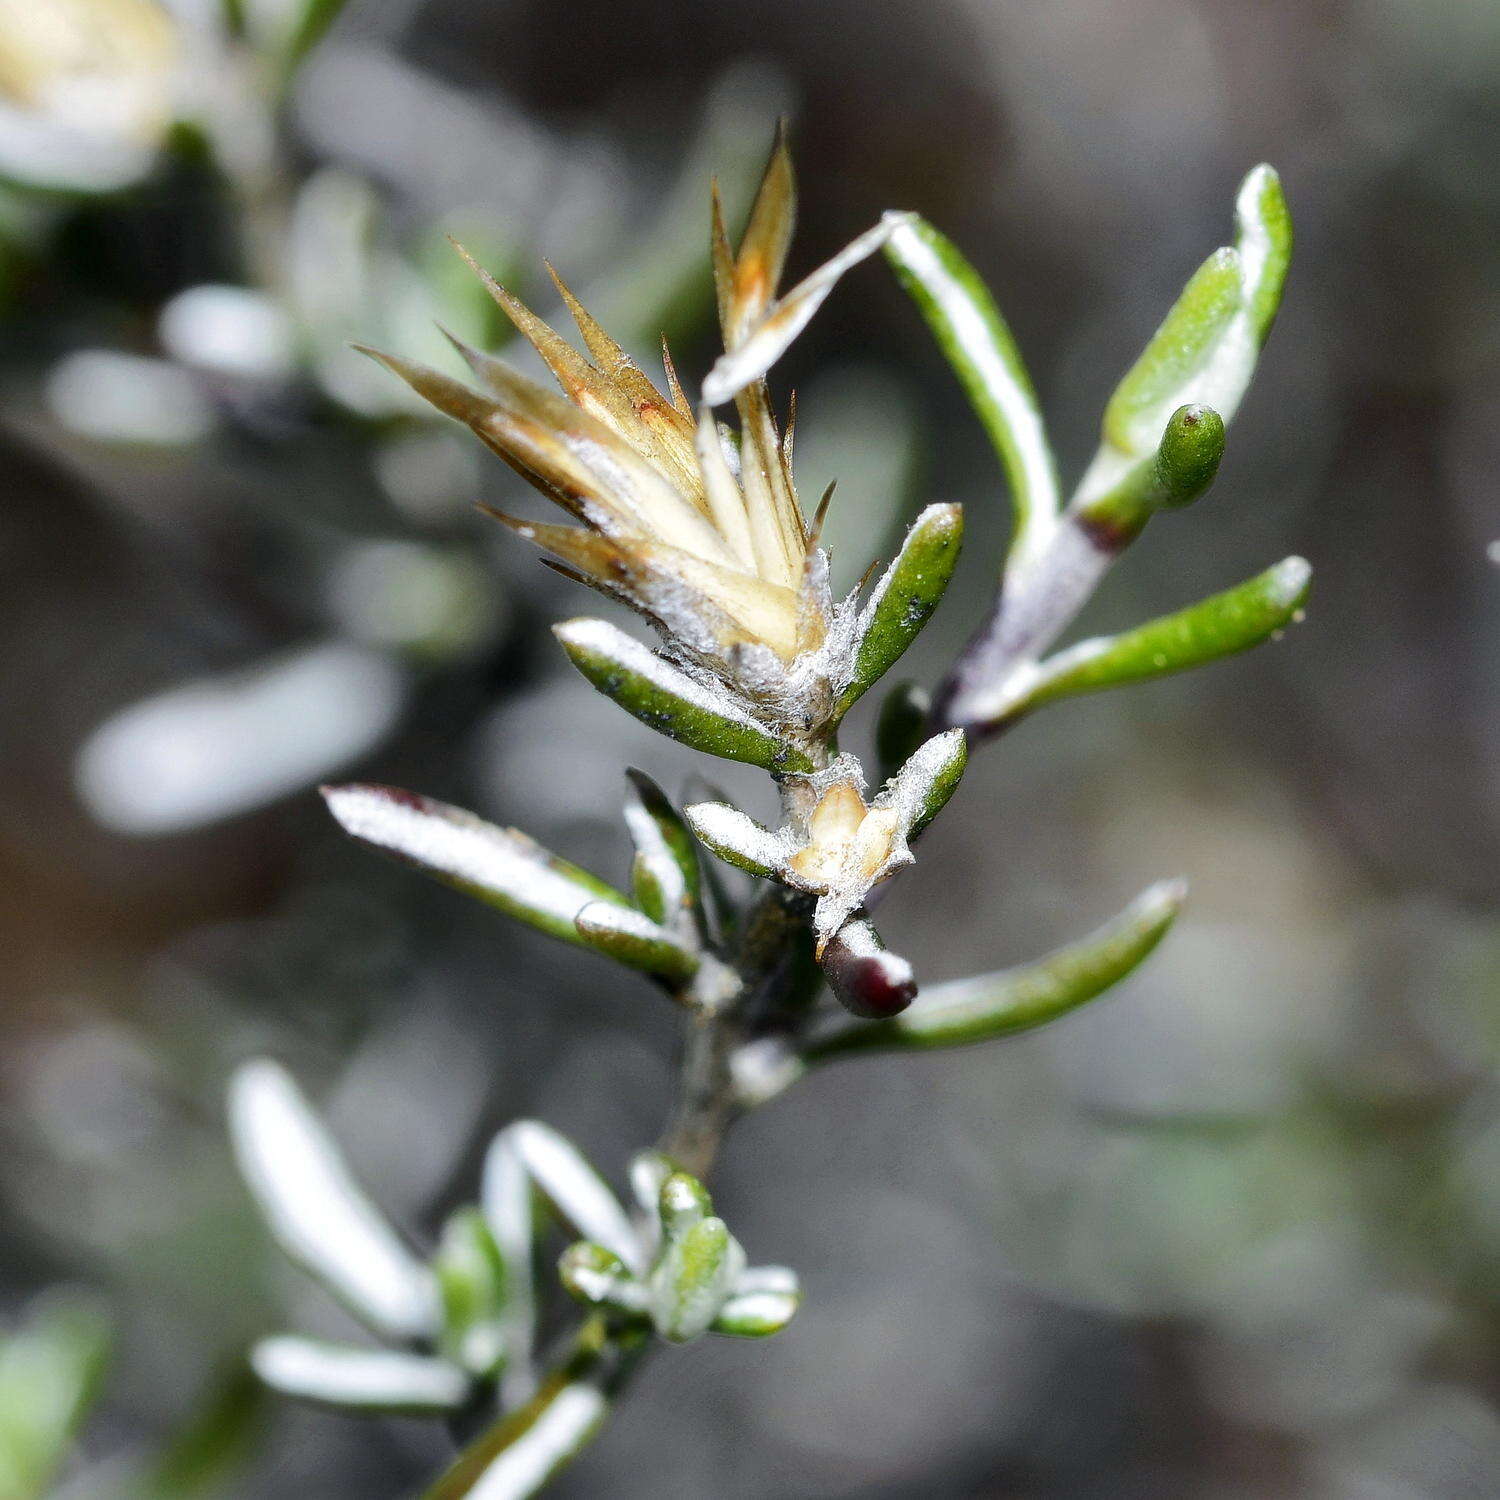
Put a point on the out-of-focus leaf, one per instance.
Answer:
(522, 1452)
(699, 1265)
(501, 866)
(471, 1279)
(363, 1380)
(50, 1371)
(905, 597)
(633, 939)
(217, 1443)
(669, 701)
(972, 334)
(994, 1005)
(599, 1278)
(573, 1187)
(764, 1301)
(901, 725)
(316, 1211)
(1219, 626)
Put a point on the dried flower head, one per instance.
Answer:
(695, 526)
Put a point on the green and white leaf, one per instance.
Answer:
(904, 599)
(973, 335)
(1014, 1000)
(663, 843)
(763, 1302)
(364, 1380)
(1206, 348)
(500, 866)
(736, 837)
(671, 702)
(526, 1449)
(922, 787)
(633, 939)
(318, 1214)
(471, 1279)
(1219, 626)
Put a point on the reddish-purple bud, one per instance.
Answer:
(867, 980)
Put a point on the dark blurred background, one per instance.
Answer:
(1233, 1233)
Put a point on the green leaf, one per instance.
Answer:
(929, 778)
(764, 1301)
(364, 1380)
(736, 837)
(1179, 350)
(664, 845)
(1216, 627)
(691, 1282)
(977, 343)
(527, 1448)
(51, 1368)
(599, 1278)
(668, 700)
(317, 1213)
(633, 939)
(216, 1444)
(1206, 349)
(309, 26)
(1263, 226)
(901, 725)
(471, 1280)
(995, 1005)
(905, 597)
(500, 866)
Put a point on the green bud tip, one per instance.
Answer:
(1188, 458)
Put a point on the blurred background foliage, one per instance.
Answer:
(1233, 1233)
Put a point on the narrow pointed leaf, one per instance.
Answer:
(364, 1380)
(977, 343)
(1263, 227)
(995, 1005)
(736, 837)
(1219, 626)
(633, 939)
(660, 695)
(905, 597)
(500, 866)
(316, 1211)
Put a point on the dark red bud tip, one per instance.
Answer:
(867, 980)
